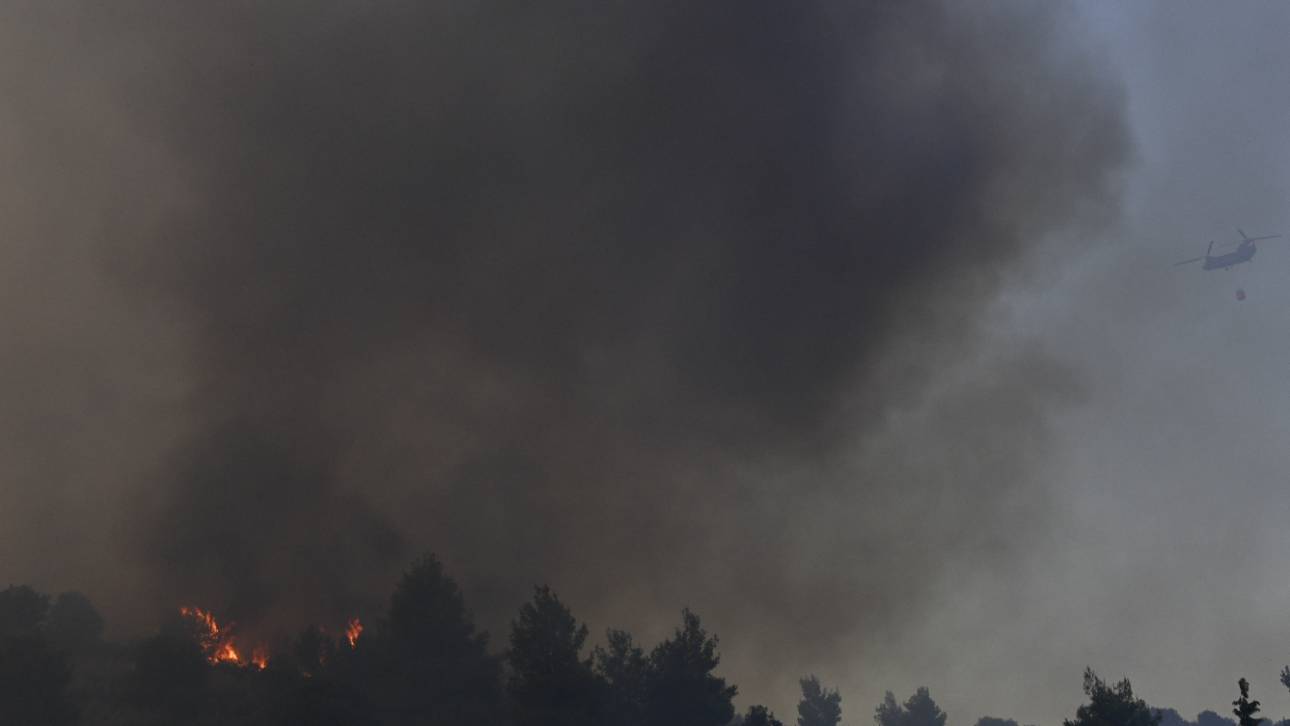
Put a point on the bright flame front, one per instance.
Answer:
(216, 643)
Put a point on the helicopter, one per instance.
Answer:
(1244, 252)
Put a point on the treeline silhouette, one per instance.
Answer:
(425, 663)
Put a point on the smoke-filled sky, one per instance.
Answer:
(851, 326)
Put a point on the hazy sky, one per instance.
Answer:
(853, 328)
(1168, 562)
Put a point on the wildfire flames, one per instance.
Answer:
(219, 646)
(227, 654)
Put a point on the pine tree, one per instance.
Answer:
(550, 683)
(623, 669)
(918, 710)
(1245, 709)
(682, 689)
(761, 716)
(1112, 705)
(889, 712)
(921, 710)
(430, 663)
(818, 707)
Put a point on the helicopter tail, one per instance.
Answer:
(1246, 238)
(1196, 259)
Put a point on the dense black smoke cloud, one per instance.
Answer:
(653, 301)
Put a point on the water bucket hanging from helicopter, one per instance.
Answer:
(1227, 257)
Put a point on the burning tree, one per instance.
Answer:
(217, 644)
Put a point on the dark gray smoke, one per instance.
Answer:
(665, 303)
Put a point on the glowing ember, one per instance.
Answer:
(259, 659)
(352, 631)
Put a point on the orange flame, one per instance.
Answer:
(202, 617)
(352, 631)
(216, 644)
(226, 654)
(207, 632)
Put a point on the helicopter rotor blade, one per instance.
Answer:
(1188, 262)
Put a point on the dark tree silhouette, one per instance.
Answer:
(35, 676)
(889, 712)
(431, 664)
(681, 688)
(624, 671)
(760, 716)
(73, 623)
(1245, 709)
(1112, 705)
(550, 683)
(1171, 717)
(921, 710)
(22, 611)
(34, 683)
(310, 682)
(819, 706)
(918, 710)
(313, 651)
(995, 721)
(318, 701)
(171, 673)
(1211, 718)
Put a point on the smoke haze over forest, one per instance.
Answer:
(850, 326)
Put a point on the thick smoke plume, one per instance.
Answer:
(664, 303)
